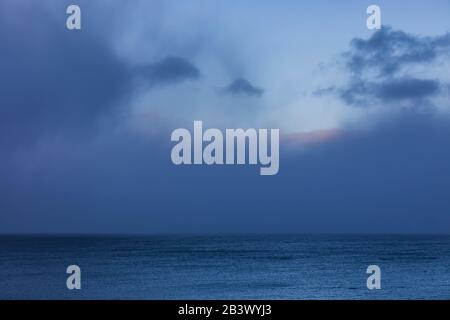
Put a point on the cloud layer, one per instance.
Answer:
(86, 119)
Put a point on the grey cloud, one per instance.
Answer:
(388, 50)
(243, 86)
(169, 70)
(408, 88)
(362, 93)
(377, 73)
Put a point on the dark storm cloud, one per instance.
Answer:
(243, 86)
(169, 70)
(52, 80)
(376, 68)
(57, 82)
(388, 50)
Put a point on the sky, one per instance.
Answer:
(86, 116)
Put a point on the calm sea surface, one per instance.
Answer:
(225, 267)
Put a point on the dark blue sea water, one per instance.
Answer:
(225, 267)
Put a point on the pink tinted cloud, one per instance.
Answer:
(313, 137)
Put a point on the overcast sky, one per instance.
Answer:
(86, 116)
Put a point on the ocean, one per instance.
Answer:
(225, 266)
